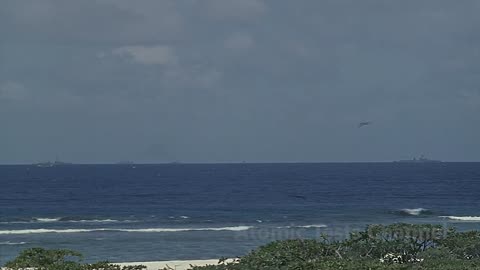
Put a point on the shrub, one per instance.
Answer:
(282, 253)
(60, 259)
(405, 239)
(46, 259)
(464, 245)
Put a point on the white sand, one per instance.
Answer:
(177, 265)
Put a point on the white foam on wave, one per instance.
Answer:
(14, 222)
(50, 220)
(463, 218)
(414, 211)
(99, 221)
(37, 231)
(313, 226)
(47, 219)
(237, 228)
(12, 243)
(147, 230)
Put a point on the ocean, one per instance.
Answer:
(201, 211)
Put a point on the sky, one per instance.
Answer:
(99, 81)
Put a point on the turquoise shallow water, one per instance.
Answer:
(195, 211)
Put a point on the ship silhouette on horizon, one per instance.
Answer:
(421, 159)
(50, 164)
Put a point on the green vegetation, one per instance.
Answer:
(60, 259)
(392, 247)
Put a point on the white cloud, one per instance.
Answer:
(148, 55)
(12, 91)
(239, 41)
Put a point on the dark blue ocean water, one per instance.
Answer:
(188, 211)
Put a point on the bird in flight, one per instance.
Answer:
(362, 124)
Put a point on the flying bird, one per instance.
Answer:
(362, 124)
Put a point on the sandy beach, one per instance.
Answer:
(177, 265)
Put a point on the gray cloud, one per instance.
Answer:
(239, 41)
(234, 9)
(12, 91)
(149, 55)
(232, 80)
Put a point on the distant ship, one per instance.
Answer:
(44, 164)
(50, 164)
(126, 162)
(175, 162)
(421, 159)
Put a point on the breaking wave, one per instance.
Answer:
(8, 243)
(313, 226)
(414, 211)
(46, 219)
(147, 230)
(463, 218)
(99, 220)
(63, 219)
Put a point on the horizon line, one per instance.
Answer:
(229, 162)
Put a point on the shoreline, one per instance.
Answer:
(175, 264)
(158, 265)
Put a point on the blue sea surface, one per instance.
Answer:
(202, 211)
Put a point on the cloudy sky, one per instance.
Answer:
(239, 80)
